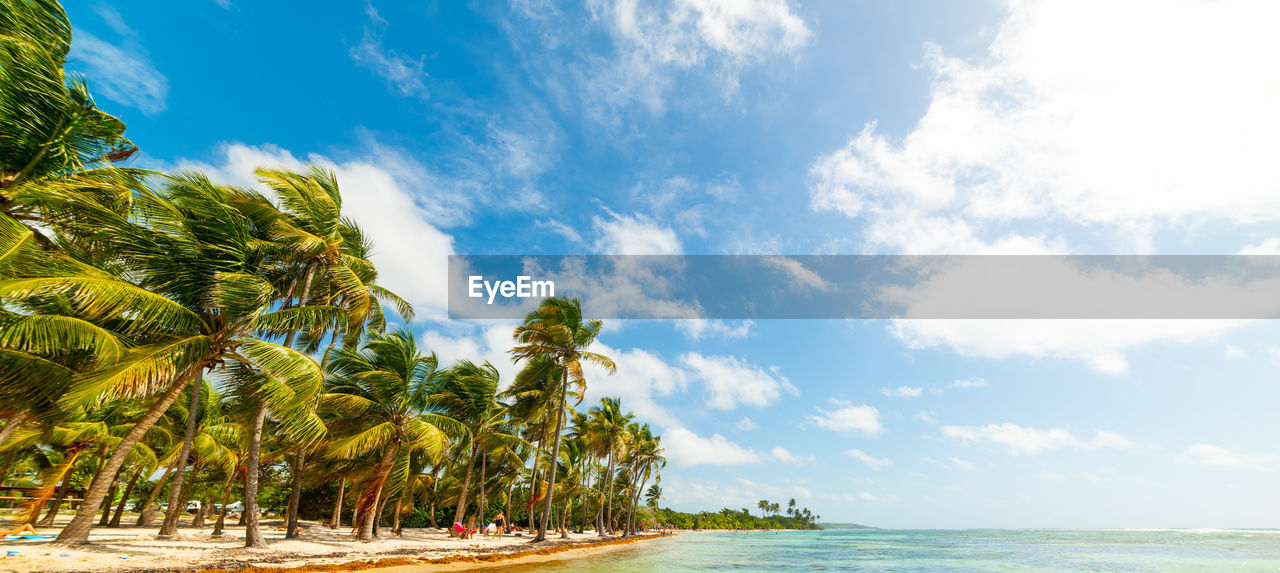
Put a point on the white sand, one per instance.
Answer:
(132, 548)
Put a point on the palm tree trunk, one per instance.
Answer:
(47, 521)
(222, 507)
(608, 500)
(124, 499)
(253, 533)
(555, 455)
(460, 511)
(506, 523)
(435, 487)
(12, 426)
(77, 532)
(367, 511)
(336, 522)
(395, 515)
(377, 515)
(106, 506)
(483, 477)
(144, 517)
(176, 493)
(295, 494)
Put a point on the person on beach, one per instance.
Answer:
(500, 521)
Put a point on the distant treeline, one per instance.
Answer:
(735, 519)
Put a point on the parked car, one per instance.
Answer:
(236, 507)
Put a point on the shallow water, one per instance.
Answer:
(943, 550)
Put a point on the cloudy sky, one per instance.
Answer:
(785, 127)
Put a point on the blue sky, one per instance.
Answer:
(783, 127)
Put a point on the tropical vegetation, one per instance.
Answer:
(169, 343)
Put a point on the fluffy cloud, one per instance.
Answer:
(634, 235)
(684, 448)
(122, 72)
(700, 328)
(1072, 117)
(744, 425)
(1211, 455)
(1098, 343)
(730, 382)
(850, 418)
(872, 461)
(903, 392)
(1027, 440)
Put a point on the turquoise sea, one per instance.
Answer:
(943, 550)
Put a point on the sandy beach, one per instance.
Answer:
(317, 549)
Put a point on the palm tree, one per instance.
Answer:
(791, 506)
(764, 506)
(322, 265)
(646, 458)
(610, 428)
(468, 393)
(380, 395)
(556, 330)
(57, 149)
(193, 292)
(653, 496)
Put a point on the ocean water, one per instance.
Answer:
(943, 550)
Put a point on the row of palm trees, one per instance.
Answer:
(164, 324)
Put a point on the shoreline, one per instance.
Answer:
(138, 550)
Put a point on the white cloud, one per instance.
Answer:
(700, 328)
(569, 233)
(974, 382)
(962, 464)
(872, 461)
(703, 494)
(635, 235)
(744, 425)
(1098, 343)
(488, 342)
(224, 4)
(122, 73)
(781, 454)
(730, 382)
(641, 379)
(1211, 455)
(1028, 440)
(848, 417)
(411, 254)
(404, 74)
(656, 42)
(1269, 246)
(799, 276)
(1105, 128)
(903, 392)
(686, 449)
(1233, 351)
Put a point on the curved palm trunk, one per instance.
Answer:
(460, 511)
(555, 456)
(295, 494)
(124, 499)
(176, 493)
(145, 516)
(77, 531)
(370, 501)
(47, 521)
(336, 522)
(252, 532)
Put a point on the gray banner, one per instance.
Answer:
(870, 286)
